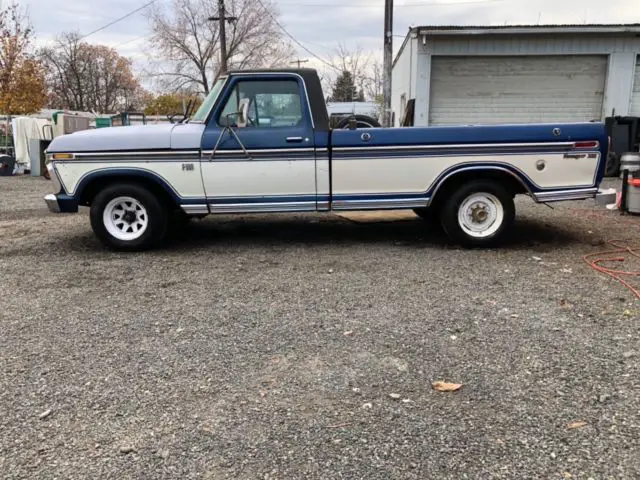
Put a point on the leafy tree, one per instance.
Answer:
(172, 104)
(345, 90)
(88, 77)
(22, 86)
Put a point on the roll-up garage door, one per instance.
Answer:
(524, 89)
(635, 96)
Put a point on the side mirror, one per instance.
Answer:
(241, 118)
(243, 114)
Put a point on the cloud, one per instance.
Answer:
(321, 24)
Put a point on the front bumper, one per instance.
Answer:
(61, 203)
(52, 202)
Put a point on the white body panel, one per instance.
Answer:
(323, 179)
(147, 137)
(186, 184)
(187, 136)
(526, 89)
(415, 175)
(259, 178)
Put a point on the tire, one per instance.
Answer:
(613, 165)
(362, 121)
(463, 212)
(146, 222)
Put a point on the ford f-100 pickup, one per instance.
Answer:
(261, 142)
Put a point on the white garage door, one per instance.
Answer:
(473, 90)
(635, 97)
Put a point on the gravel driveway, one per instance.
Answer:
(305, 347)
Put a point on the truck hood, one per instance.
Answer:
(143, 137)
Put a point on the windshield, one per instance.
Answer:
(203, 112)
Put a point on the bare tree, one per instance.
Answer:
(363, 67)
(354, 61)
(186, 45)
(373, 81)
(88, 77)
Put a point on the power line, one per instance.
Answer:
(127, 42)
(295, 40)
(131, 13)
(402, 5)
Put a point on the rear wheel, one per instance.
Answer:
(478, 214)
(128, 217)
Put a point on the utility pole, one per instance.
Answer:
(299, 62)
(388, 62)
(223, 19)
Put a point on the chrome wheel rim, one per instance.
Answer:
(481, 215)
(125, 218)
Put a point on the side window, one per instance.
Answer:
(273, 104)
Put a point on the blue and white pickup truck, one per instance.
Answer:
(261, 142)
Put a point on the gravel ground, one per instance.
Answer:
(305, 346)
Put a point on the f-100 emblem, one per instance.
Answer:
(188, 167)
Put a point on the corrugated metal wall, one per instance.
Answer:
(530, 45)
(522, 89)
(635, 95)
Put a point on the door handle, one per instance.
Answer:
(294, 139)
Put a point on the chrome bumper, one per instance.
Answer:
(52, 202)
(606, 197)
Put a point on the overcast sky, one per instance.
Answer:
(321, 24)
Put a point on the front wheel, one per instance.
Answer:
(128, 217)
(478, 214)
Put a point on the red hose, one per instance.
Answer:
(595, 260)
(617, 275)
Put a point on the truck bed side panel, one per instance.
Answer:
(402, 168)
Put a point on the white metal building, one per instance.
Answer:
(517, 74)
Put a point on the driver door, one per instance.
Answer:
(270, 166)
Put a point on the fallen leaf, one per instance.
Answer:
(44, 415)
(446, 387)
(574, 425)
(567, 475)
(341, 425)
(348, 334)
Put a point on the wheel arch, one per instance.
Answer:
(513, 181)
(94, 182)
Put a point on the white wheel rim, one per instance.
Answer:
(125, 218)
(481, 215)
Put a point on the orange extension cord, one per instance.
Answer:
(596, 260)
